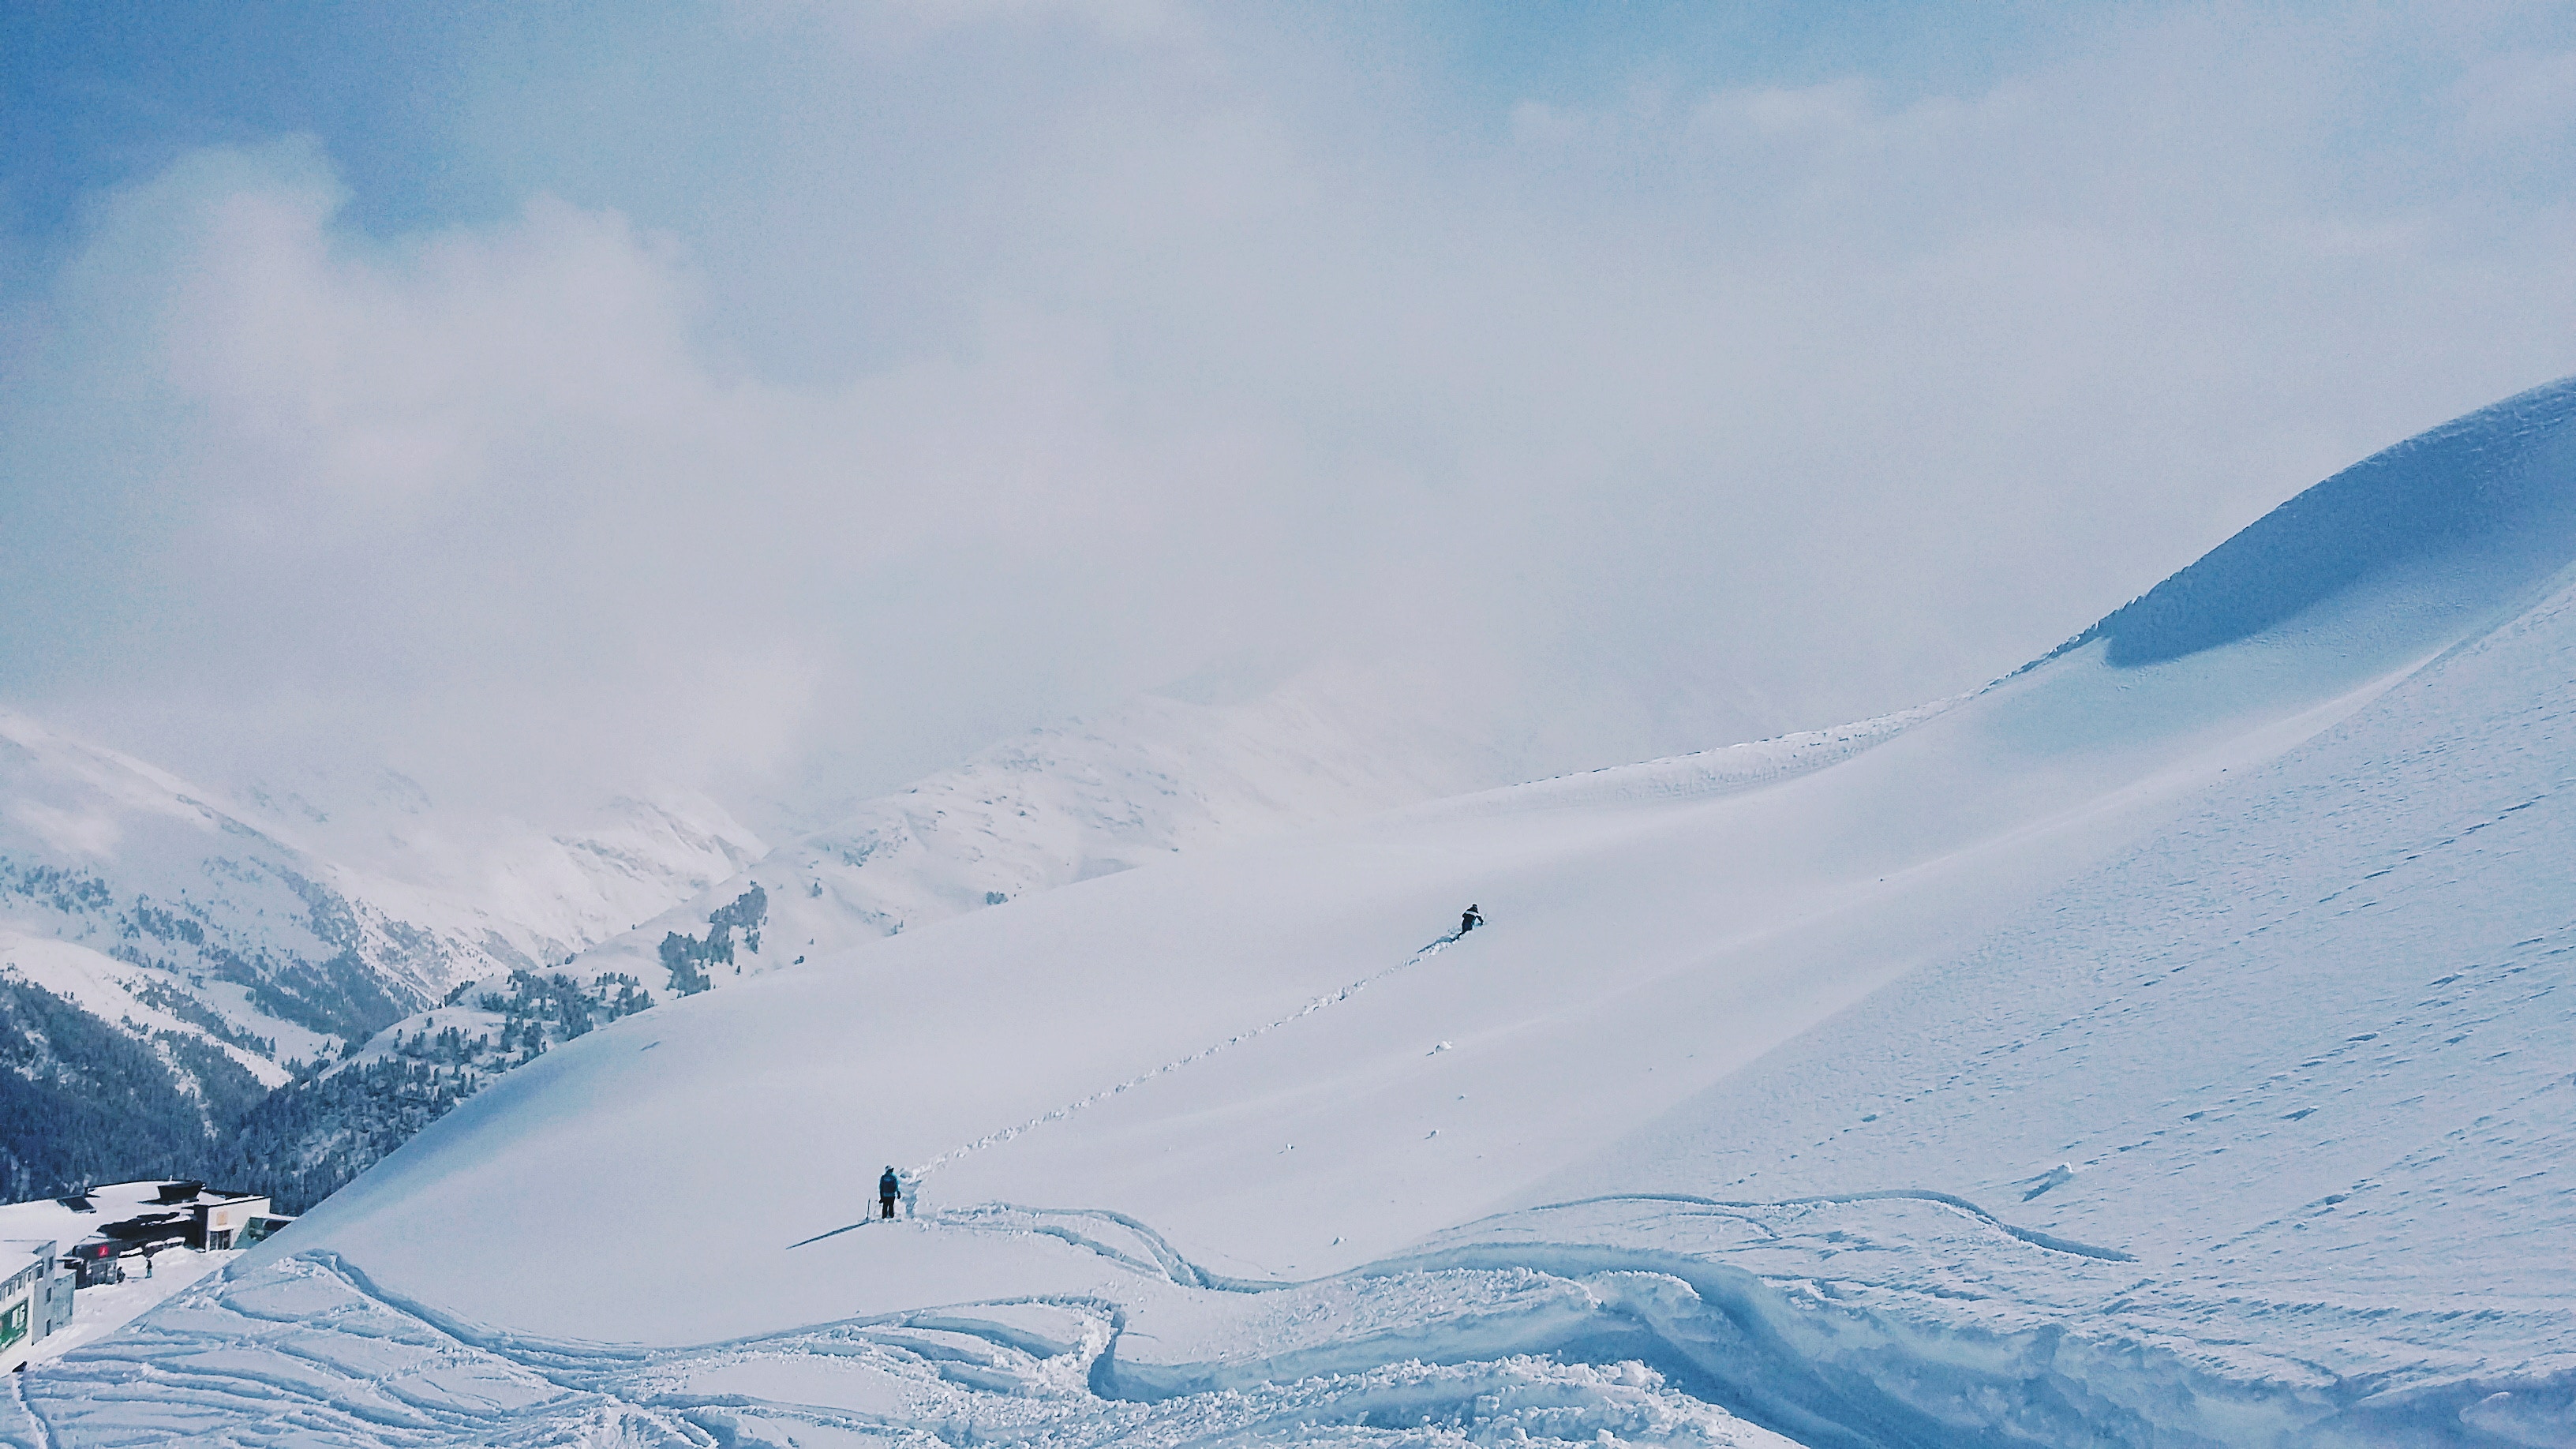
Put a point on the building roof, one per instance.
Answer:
(18, 1255)
(67, 1220)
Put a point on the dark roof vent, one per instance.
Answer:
(78, 1202)
(180, 1191)
(150, 1226)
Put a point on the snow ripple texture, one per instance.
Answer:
(310, 1355)
(1885, 1320)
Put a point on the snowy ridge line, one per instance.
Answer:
(2032, 1236)
(1725, 770)
(913, 1178)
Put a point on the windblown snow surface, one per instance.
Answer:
(2169, 1045)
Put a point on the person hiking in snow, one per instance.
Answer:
(889, 1187)
(1470, 921)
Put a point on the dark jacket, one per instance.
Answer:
(889, 1186)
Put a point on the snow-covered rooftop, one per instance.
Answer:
(19, 1254)
(67, 1220)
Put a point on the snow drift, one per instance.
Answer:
(2164, 1046)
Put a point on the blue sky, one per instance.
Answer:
(96, 96)
(579, 393)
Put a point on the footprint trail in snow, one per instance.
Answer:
(917, 1175)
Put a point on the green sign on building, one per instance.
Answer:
(13, 1323)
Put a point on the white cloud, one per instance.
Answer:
(838, 394)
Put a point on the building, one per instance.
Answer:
(109, 1228)
(35, 1298)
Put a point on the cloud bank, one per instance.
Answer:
(836, 389)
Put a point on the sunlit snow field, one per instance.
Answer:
(2169, 1044)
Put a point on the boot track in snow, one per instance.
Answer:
(913, 1177)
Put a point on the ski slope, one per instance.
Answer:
(2165, 1045)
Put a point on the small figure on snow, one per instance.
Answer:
(889, 1187)
(1470, 921)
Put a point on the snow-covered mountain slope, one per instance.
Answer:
(323, 923)
(1056, 805)
(1061, 804)
(2165, 1046)
(522, 894)
(105, 851)
(166, 954)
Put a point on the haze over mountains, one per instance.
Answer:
(2164, 1045)
(171, 955)
(223, 947)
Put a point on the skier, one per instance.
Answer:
(889, 1187)
(1470, 921)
